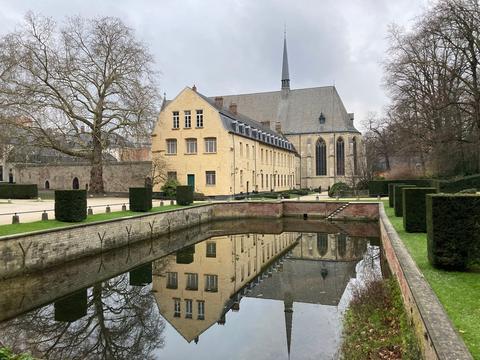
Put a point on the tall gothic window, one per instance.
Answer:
(355, 160)
(340, 157)
(321, 157)
(322, 244)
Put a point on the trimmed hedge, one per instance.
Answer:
(414, 208)
(141, 275)
(452, 186)
(453, 233)
(140, 199)
(380, 187)
(72, 307)
(391, 199)
(397, 198)
(70, 205)
(18, 191)
(184, 195)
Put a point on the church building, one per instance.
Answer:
(270, 141)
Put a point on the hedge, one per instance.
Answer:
(452, 186)
(140, 198)
(72, 307)
(397, 198)
(142, 275)
(380, 187)
(453, 233)
(18, 191)
(70, 205)
(338, 188)
(414, 208)
(391, 199)
(184, 195)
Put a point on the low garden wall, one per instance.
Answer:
(42, 249)
(437, 336)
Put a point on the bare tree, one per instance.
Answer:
(80, 85)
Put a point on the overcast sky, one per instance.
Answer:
(235, 46)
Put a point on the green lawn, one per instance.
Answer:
(459, 292)
(51, 224)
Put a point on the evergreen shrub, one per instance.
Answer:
(18, 191)
(140, 199)
(414, 208)
(338, 188)
(70, 205)
(391, 199)
(184, 195)
(397, 198)
(453, 230)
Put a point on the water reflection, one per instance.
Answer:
(187, 304)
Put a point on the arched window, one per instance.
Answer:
(47, 184)
(354, 150)
(322, 244)
(321, 157)
(342, 245)
(75, 184)
(340, 157)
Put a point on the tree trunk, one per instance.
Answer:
(96, 172)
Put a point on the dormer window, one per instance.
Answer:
(321, 118)
(247, 130)
(241, 128)
(234, 126)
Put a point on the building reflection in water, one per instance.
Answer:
(312, 268)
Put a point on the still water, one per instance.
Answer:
(267, 292)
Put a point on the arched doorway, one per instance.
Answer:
(75, 184)
(47, 184)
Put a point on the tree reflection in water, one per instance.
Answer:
(122, 322)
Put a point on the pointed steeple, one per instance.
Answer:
(288, 310)
(285, 74)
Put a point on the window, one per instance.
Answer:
(191, 146)
(188, 119)
(188, 308)
(241, 149)
(199, 118)
(340, 157)
(201, 309)
(171, 146)
(322, 244)
(211, 249)
(171, 175)
(192, 281)
(355, 160)
(247, 151)
(176, 120)
(342, 245)
(210, 177)
(211, 283)
(321, 118)
(172, 280)
(210, 145)
(176, 307)
(321, 157)
(241, 177)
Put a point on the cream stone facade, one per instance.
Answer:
(193, 295)
(219, 151)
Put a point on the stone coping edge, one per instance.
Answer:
(436, 333)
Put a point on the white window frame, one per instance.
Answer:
(201, 309)
(177, 307)
(188, 119)
(211, 145)
(211, 283)
(199, 118)
(191, 145)
(188, 308)
(170, 143)
(210, 177)
(176, 119)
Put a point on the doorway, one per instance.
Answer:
(191, 180)
(75, 184)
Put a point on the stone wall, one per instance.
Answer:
(118, 177)
(43, 249)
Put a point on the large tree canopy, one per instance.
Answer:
(78, 86)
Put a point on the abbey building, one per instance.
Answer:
(231, 144)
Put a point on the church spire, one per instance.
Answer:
(285, 74)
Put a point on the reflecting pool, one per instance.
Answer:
(269, 291)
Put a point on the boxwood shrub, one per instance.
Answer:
(380, 187)
(184, 195)
(397, 198)
(467, 182)
(453, 233)
(338, 188)
(18, 191)
(414, 208)
(70, 205)
(140, 199)
(391, 199)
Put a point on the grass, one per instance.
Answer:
(376, 325)
(459, 292)
(52, 224)
(8, 354)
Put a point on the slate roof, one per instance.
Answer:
(297, 110)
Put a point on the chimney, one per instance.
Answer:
(219, 101)
(194, 88)
(233, 108)
(278, 127)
